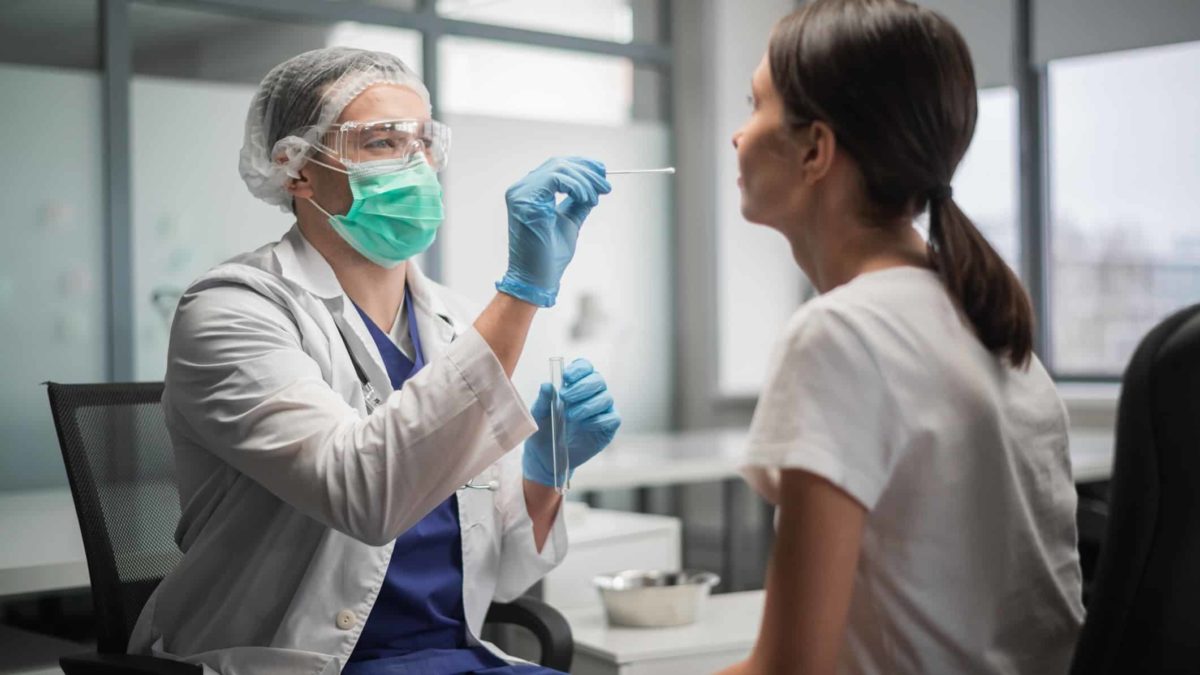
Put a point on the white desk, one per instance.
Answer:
(723, 635)
(653, 460)
(42, 549)
(1091, 455)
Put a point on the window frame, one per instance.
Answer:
(116, 72)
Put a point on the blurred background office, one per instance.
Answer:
(121, 120)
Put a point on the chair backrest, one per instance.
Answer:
(1142, 614)
(120, 465)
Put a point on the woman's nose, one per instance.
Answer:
(737, 138)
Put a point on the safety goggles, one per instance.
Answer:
(360, 142)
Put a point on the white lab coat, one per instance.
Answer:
(292, 496)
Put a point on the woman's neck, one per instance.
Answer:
(378, 291)
(838, 251)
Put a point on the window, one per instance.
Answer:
(985, 185)
(52, 309)
(1125, 244)
(188, 103)
(613, 20)
(195, 66)
(614, 307)
(520, 81)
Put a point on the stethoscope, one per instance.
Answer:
(372, 401)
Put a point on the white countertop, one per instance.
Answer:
(587, 525)
(728, 622)
(649, 460)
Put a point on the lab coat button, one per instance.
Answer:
(345, 619)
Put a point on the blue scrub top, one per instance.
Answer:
(417, 624)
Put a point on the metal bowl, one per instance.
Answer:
(650, 598)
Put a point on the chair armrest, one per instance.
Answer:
(125, 664)
(551, 629)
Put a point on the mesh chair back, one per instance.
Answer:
(120, 465)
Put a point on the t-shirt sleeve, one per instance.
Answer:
(825, 409)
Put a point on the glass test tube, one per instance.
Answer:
(561, 460)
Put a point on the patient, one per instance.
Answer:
(914, 445)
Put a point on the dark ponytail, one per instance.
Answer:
(978, 279)
(896, 84)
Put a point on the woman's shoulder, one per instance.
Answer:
(824, 328)
(846, 310)
(874, 314)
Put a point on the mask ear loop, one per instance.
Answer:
(318, 207)
(314, 160)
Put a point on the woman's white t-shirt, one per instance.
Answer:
(968, 561)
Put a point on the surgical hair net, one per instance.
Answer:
(298, 101)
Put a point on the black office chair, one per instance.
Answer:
(1142, 613)
(120, 466)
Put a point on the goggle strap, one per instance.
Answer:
(328, 166)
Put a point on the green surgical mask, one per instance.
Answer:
(396, 212)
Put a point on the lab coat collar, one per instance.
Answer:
(427, 300)
(301, 263)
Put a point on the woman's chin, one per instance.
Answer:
(750, 214)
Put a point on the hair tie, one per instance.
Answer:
(941, 193)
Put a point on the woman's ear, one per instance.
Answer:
(818, 145)
(301, 187)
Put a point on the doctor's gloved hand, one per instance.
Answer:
(541, 231)
(592, 421)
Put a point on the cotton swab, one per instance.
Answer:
(619, 172)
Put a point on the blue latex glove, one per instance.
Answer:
(541, 235)
(592, 421)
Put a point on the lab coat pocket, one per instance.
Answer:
(481, 539)
(477, 501)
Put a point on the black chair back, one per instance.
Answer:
(1142, 613)
(120, 465)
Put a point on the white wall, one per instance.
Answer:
(759, 285)
(621, 262)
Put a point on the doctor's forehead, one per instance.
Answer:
(385, 102)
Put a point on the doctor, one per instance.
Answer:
(342, 429)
